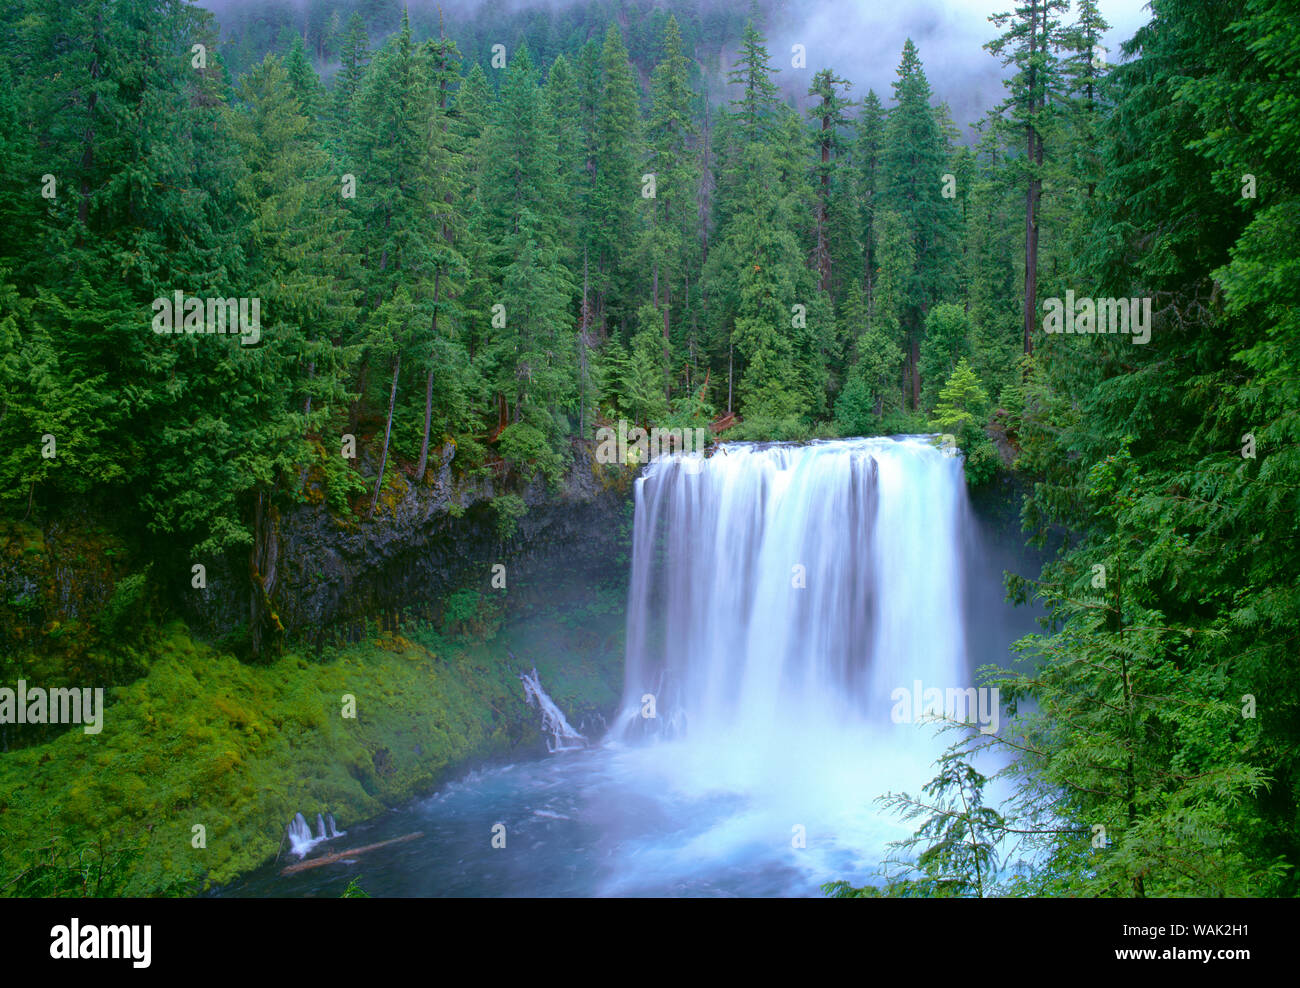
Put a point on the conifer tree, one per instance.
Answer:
(913, 163)
(303, 80)
(869, 146)
(756, 109)
(616, 188)
(1032, 38)
(669, 234)
(397, 202)
(444, 375)
(354, 58)
(533, 352)
(828, 117)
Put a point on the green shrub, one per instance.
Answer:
(471, 455)
(525, 447)
(127, 609)
(341, 481)
(761, 428)
(509, 508)
(982, 460)
(902, 423)
(855, 409)
(66, 865)
(962, 400)
(469, 614)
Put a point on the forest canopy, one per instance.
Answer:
(460, 250)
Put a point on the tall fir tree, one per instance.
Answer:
(1033, 37)
(913, 164)
(670, 231)
(829, 120)
(616, 188)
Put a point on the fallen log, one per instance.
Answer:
(724, 422)
(293, 869)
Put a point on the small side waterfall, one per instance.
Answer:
(563, 737)
(784, 592)
(301, 840)
(781, 597)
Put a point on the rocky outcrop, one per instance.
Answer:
(334, 572)
(326, 573)
(55, 575)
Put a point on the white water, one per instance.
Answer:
(779, 596)
(783, 590)
(772, 736)
(301, 840)
(562, 736)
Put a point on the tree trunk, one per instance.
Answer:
(428, 392)
(1034, 155)
(1031, 248)
(265, 630)
(428, 420)
(352, 852)
(582, 348)
(388, 431)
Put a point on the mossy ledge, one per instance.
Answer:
(206, 740)
(403, 611)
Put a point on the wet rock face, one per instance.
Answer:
(57, 573)
(335, 572)
(332, 572)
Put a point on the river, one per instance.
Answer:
(789, 607)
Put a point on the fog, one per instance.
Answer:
(860, 39)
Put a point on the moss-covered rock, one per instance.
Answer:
(204, 740)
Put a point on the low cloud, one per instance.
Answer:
(861, 40)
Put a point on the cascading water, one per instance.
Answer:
(562, 737)
(301, 840)
(781, 597)
(786, 590)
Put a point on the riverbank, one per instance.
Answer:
(204, 757)
(206, 741)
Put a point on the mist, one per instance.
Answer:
(860, 40)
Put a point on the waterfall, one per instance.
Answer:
(301, 840)
(781, 593)
(781, 598)
(554, 723)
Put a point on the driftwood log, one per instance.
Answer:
(325, 859)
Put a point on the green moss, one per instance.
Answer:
(394, 489)
(204, 740)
